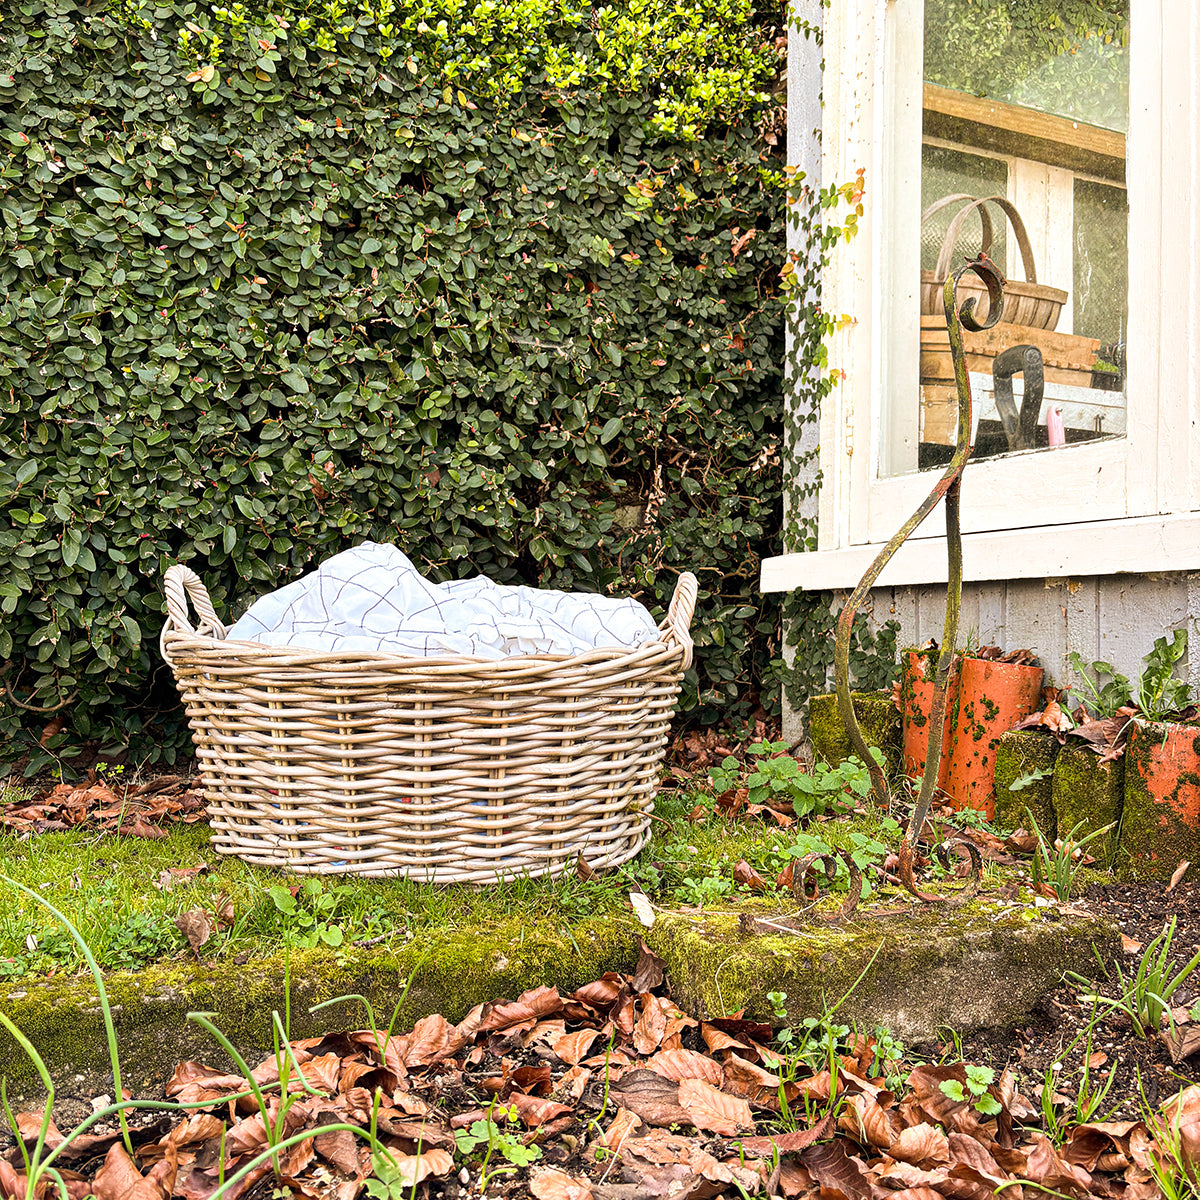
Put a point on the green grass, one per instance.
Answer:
(107, 886)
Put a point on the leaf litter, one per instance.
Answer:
(127, 809)
(610, 1092)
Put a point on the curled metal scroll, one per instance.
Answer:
(828, 862)
(947, 487)
(941, 852)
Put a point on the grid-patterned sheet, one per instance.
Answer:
(372, 598)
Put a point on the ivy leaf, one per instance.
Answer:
(612, 427)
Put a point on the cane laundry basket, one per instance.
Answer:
(453, 769)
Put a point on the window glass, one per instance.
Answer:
(1025, 109)
(947, 171)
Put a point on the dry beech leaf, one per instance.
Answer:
(433, 1038)
(653, 1098)
(119, 1179)
(1181, 1043)
(650, 971)
(1177, 875)
(529, 1006)
(863, 1118)
(649, 1030)
(29, 1125)
(747, 876)
(788, 1143)
(196, 927)
(643, 909)
(570, 1088)
(794, 1179)
(572, 1047)
(685, 1064)
(623, 1126)
(558, 1185)
(411, 1169)
(717, 1039)
(833, 1167)
(340, 1148)
(922, 1145)
(746, 1079)
(535, 1111)
(710, 1109)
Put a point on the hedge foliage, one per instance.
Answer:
(257, 312)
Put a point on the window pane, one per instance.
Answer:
(950, 172)
(1068, 59)
(1102, 276)
(1025, 108)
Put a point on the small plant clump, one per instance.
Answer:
(1056, 865)
(777, 774)
(1145, 996)
(1157, 694)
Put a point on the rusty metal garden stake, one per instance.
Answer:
(948, 486)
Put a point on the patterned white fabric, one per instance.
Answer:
(372, 598)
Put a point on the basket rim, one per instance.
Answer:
(178, 636)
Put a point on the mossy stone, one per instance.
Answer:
(1087, 796)
(982, 966)
(1019, 754)
(452, 970)
(1160, 826)
(877, 716)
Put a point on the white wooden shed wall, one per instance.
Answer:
(1151, 585)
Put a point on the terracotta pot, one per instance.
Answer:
(917, 669)
(992, 698)
(1160, 815)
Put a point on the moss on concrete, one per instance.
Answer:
(454, 970)
(877, 716)
(1019, 755)
(1087, 796)
(981, 966)
(1155, 835)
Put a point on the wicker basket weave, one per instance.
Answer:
(451, 769)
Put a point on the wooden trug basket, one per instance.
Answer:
(447, 770)
(1030, 303)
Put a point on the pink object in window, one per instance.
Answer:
(1055, 433)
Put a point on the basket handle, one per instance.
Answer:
(679, 615)
(182, 584)
(1014, 217)
(985, 220)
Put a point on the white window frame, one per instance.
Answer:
(1127, 502)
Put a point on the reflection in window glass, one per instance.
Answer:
(1102, 276)
(1026, 101)
(946, 172)
(1068, 59)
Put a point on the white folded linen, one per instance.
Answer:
(372, 598)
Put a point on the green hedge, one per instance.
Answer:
(253, 316)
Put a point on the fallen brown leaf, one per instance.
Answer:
(196, 927)
(708, 1108)
(552, 1184)
(119, 1179)
(685, 1064)
(1177, 875)
(747, 876)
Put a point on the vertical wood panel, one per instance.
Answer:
(1036, 621)
(1083, 628)
(1133, 611)
(1112, 618)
